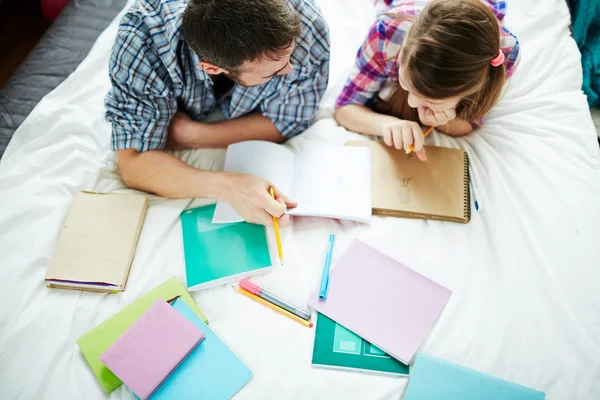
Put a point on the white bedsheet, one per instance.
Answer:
(524, 273)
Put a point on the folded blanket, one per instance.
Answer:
(585, 17)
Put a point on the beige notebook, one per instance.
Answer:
(97, 242)
(404, 186)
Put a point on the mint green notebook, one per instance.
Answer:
(216, 254)
(337, 347)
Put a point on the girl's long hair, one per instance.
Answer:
(447, 53)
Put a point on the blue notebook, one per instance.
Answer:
(210, 372)
(433, 378)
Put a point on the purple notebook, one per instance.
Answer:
(152, 348)
(381, 300)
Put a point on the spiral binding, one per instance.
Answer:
(467, 189)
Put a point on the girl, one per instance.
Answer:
(441, 63)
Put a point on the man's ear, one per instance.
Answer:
(211, 68)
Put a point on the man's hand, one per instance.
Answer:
(429, 117)
(184, 133)
(249, 196)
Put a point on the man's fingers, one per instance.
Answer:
(284, 220)
(285, 201)
(421, 155)
(264, 218)
(274, 207)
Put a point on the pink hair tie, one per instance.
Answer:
(498, 60)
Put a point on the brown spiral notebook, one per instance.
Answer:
(405, 187)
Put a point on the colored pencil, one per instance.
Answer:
(277, 235)
(276, 308)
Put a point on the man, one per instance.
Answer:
(264, 62)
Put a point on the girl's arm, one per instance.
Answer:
(361, 119)
(456, 127)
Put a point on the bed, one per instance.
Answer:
(524, 272)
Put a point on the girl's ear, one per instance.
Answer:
(211, 68)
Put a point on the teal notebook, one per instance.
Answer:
(216, 254)
(210, 372)
(433, 378)
(336, 347)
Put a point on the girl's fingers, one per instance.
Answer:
(387, 137)
(397, 134)
(407, 137)
(419, 139)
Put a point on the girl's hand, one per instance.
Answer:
(402, 134)
(431, 118)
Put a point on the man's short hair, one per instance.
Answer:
(229, 33)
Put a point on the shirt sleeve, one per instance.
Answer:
(511, 49)
(370, 70)
(139, 104)
(293, 110)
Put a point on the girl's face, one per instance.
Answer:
(415, 100)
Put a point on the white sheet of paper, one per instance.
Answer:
(333, 182)
(267, 160)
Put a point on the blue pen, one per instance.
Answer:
(325, 277)
(476, 202)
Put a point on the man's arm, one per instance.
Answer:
(165, 175)
(184, 133)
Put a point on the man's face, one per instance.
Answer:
(254, 73)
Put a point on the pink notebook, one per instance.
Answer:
(152, 348)
(381, 300)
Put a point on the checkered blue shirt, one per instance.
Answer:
(154, 73)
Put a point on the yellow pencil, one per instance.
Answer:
(277, 235)
(427, 132)
(276, 308)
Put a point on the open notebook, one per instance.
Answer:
(326, 181)
(404, 186)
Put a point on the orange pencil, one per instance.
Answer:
(277, 235)
(427, 132)
(276, 308)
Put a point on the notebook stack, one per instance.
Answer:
(377, 314)
(161, 347)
